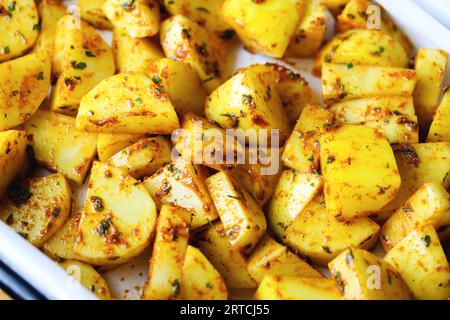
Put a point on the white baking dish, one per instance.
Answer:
(126, 281)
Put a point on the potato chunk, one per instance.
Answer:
(421, 261)
(360, 275)
(108, 144)
(320, 237)
(360, 172)
(168, 255)
(60, 245)
(24, 85)
(440, 128)
(127, 103)
(37, 208)
(118, 218)
(58, 146)
(92, 12)
(19, 27)
(271, 37)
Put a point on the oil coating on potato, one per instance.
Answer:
(92, 12)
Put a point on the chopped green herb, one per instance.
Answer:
(98, 203)
(427, 240)
(202, 9)
(104, 225)
(56, 211)
(330, 159)
(40, 76)
(78, 65)
(186, 33)
(36, 26)
(176, 287)
(349, 65)
(128, 5)
(89, 54)
(338, 279)
(326, 249)
(6, 50)
(379, 51)
(209, 285)
(311, 158)
(12, 6)
(227, 34)
(156, 79)
(138, 101)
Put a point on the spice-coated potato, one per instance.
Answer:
(335, 6)
(60, 245)
(92, 12)
(108, 144)
(440, 128)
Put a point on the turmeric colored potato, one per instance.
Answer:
(92, 12)
(108, 144)
(440, 128)
(60, 245)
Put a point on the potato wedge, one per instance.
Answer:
(293, 193)
(230, 262)
(118, 218)
(140, 18)
(360, 275)
(296, 288)
(37, 208)
(421, 261)
(168, 255)
(144, 157)
(60, 245)
(335, 6)
(24, 82)
(183, 184)
(319, 237)
(200, 280)
(440, 127)
(58, 146)
(108, 144)
(127, 103)
(92, 12)
(359, 170)
(19, 27)
(271, 37)
(13, 144)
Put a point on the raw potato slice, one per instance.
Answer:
(143, 158)
(360, 172)
(118, 218)
(92, 12)
(360, 275)
(440, 128)
(341, 83)
(309, 34)
(295, 288)
(421, 261)
(134, 54)
(88, 277)
(319, 237)
(428, 205)
(140, 18)
(243, 220)
(271, 37)
(37, 208)
(19, 27)
(127, 103)
(60, 245)
(24, 85)
(184, 40)
(168, 255)
(200, 280)
(292, 194)
(232, 265)
(108, 144)
(430, 67)
(59, 147)
(183, 184)
(275, 259)
(82, 59)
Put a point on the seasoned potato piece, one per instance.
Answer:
(143, 158)
(134, 54)
(181, 82)
(440, 128)
(19, 27)
(271, 37)
(309, 34)
(184, 40)
(50, 11)
(88, 277)
(243, 220)
(140, 18)
(200, 280)
(24, 85)
(275, 287)
(127, 103)
(341, 83)
(360, 275)
(92, 12)
(421, 261)
(168, 255)
(428, 205)
(335, 6)
(397, 129)
(293, 193)
(60, 245)
(360, 172)
(248, 101)
(108, 144)
(272, 258)
(58, 146)
(37, 208)
(118, 218)
(320, 237)
(182, 184)
(82, 59)
(430, 67)
(229, 261)
(13, 146)
(302, 150)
